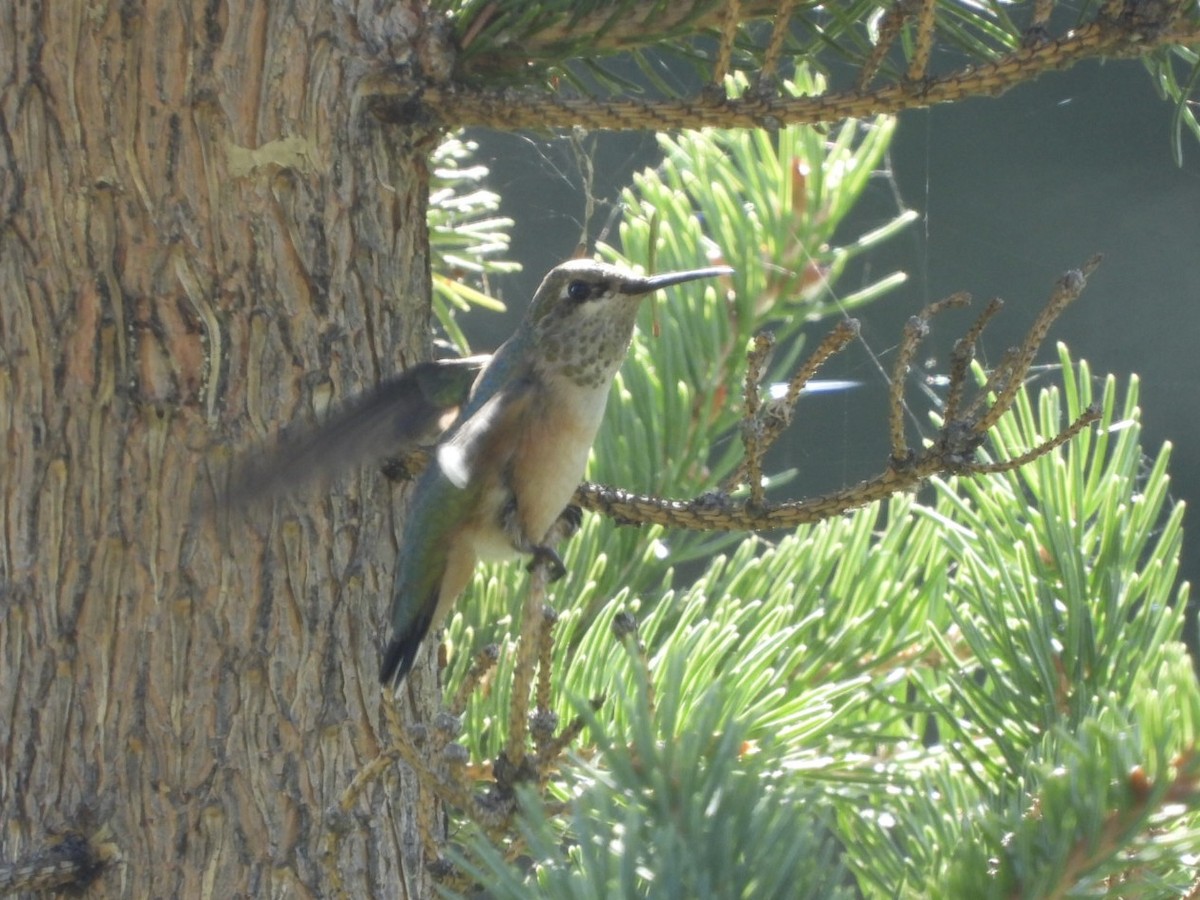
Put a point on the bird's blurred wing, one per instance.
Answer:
(392, 419)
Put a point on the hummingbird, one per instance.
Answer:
(504, 471)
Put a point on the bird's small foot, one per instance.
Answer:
(546, 556)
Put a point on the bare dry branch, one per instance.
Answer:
(963, 354)
(484, 662)
(730, 19)
(915, 330)
(774, 48)
(760, 429)
(532, 623)
(889, 29)
(926, 19)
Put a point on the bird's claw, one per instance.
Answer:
(551, 560)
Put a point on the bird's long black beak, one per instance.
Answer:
(653, 282)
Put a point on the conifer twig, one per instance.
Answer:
(455, 104)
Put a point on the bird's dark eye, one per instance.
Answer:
(579, 291)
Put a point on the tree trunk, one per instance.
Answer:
(205, 232)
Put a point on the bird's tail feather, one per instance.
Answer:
(401, 651)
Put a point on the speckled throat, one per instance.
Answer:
(587, 348)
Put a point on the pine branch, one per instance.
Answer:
(1129, 29)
